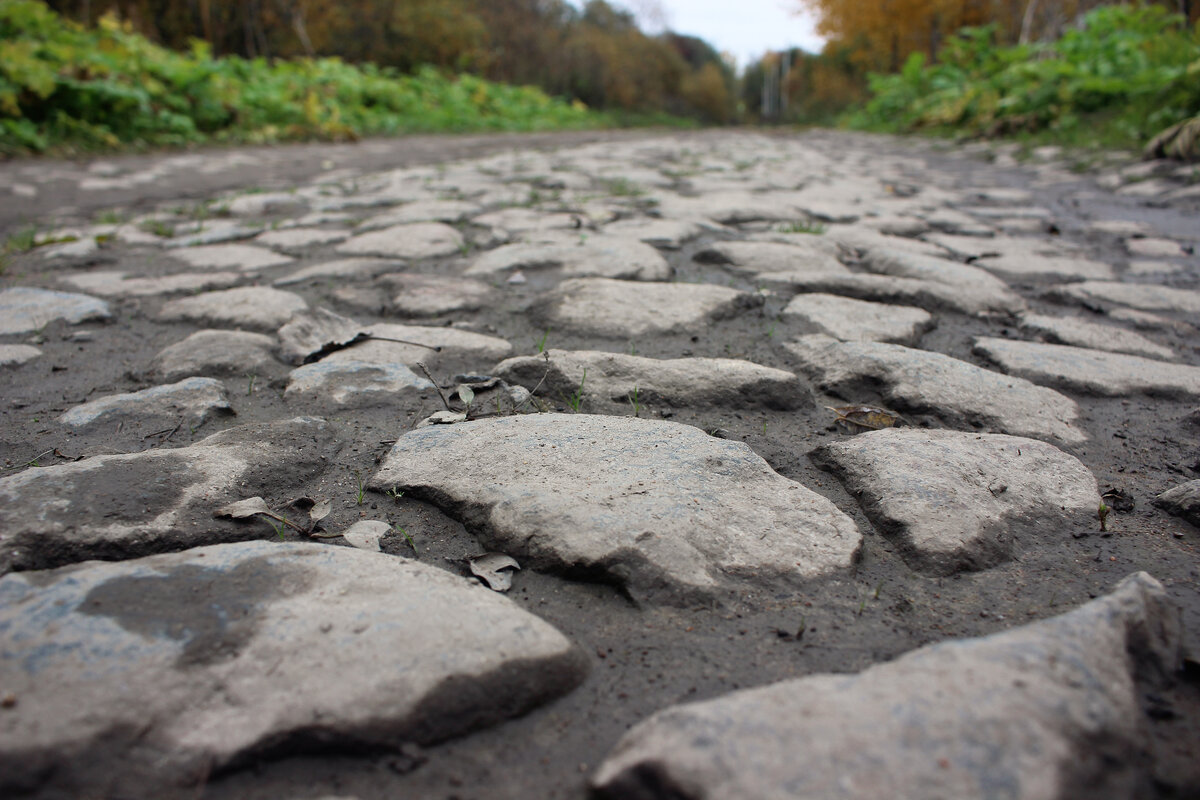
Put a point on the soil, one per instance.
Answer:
(645, 659)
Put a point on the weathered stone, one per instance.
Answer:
(576, 255)
(353, 384)
(209, 233)
(296, 240)
(131, 505)
(920, 382)
(664, 509)
(449, 343)
(1158, 268)
(963, 501)
(112, 283)
(144, 676)
(727, 207)
(807, 254)
(1182, 501)
(1081, 333)
(414, 241)
(929, 295)
(242, 257)
(253, 205)
(1092, 371)
(310, 336)
(191, 402)
(858, 320)
(23, 310)
(434, 295)
(342, 268)
(254, 307)
(974, 287)
(523, 220)
(1046, 711)
(1033, 265)
(677, 382)
(629, 309)
(219, 353)
(1144, 296)
(448, 211)
(1153, 247)
(666, 234)
(13, 355)
(957, 223)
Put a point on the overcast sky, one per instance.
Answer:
(746, 28)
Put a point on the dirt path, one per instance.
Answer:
(686, 527)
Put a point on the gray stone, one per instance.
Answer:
(191, 402)
(13, 355)
(628, 309)
(209, 233)
(434, 295)
(1155, 248)
(728, 207)
(523, 220)
(1048, 711)
(448, 211)
(676, 382)
(577, 255)
(242, 257)
(920, 382)
(112, 283)
(1182, 501)
(1091, 371)
(453, 343)
(1081, 333)
(412, 241)
(974, 287)
(807, 254)
(255, 307)
(310, 336)
(664, 509)
(1158, 268)
(136, 504)
(254, 205)
(963, 501)
(296, 240)
(1146, 297)
(219, 353)
(858, 320)
(351, 268)
(957, 223)
(144, 676)
(23, 310)
(1034, 265)
(929, 295)
(353, 384)
(666, 234)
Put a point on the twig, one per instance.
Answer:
(168, 431)
(31, 461)
(436, 349)
(445, 402)
(539, 385)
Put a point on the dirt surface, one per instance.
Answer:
(646, 658)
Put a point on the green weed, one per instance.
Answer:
(360, 493)
(541, 343)
(405, 534)
(635, 401)
(803, 226)
(575, 401)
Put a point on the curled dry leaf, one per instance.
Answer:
(494, 570)
(244, 508)
(365, 535)
(466, 394)
(856, 419)
(443, 418)
(319, 511)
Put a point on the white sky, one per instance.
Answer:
(745, 28)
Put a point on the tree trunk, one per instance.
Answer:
(301, 31)
(1027, 22)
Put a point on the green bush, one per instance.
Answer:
(1126, 74)
(66, 87)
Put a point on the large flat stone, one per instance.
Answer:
(353, 384)
(1091, 371)
(1145, 296)
(929, 295)
(144, 676)
(1182, 501)
(131, 505)
(244, 257)
(615, 377)
(254, 307)
(665, 510)
(577, 255)
(920, 382)
(352, 268)
(807, 254)
(114, 283)
(1048, 711)
(859, 320)
(453, 343)
(448, 211)
(217, 353)
(1082, 333)
(666, 234)
(411, 241)
(13, 355)
(297, 240)
(960, 501)
(191, 402)
(433, 295)
(23, 310)
(628, 309)
(975, 287)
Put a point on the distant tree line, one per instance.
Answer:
(596, 54)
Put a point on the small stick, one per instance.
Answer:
(539, 385)
(445, 402)
(33, 460)
(405, 341)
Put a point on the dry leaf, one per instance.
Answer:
(442, 418)
(244, 508)
(320, 511)
(365, 535)
(494, 570)
(855, 419)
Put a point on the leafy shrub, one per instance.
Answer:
(63, 86)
